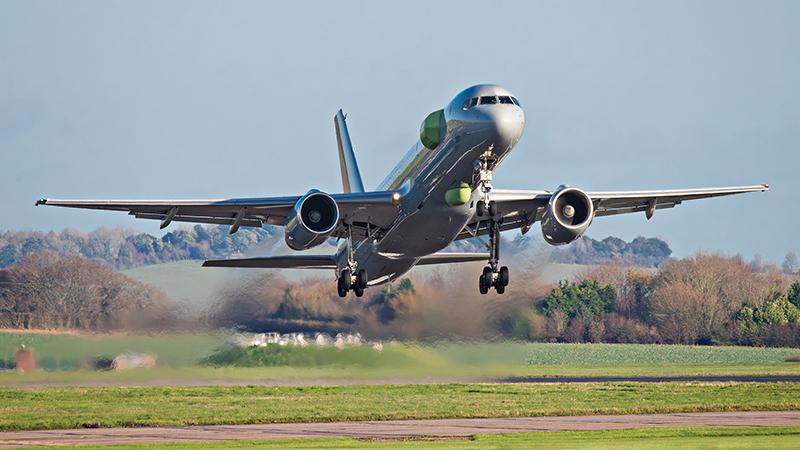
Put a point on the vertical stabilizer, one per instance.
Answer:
(351, 177)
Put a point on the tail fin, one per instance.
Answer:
(351, 177)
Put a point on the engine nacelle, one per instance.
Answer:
(567, 216)
(311, 221)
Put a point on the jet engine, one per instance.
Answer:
(567, 216)
(311, 221)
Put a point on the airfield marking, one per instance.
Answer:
(389, 429)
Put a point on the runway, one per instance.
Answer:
(426, 380)
(394, 429)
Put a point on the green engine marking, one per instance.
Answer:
(459, 195)
(432, 130)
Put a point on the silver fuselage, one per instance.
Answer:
(426, 222)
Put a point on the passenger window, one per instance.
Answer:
(506, 100)
(488, 100)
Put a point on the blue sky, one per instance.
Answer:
(218, 99)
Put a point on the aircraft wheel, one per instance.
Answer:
(502, 276)
(340, 289)
(480, 208)
(359, 291)
(492, 208)
(347, 279)
(482, 286)
(500, 288)
(361, 279)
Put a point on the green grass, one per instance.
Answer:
(66, 351)
(650, 438)
(47, 408)
(181, 355)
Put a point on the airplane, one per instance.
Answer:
(440, 192)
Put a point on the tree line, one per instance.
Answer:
(48, 290)
(703, 299)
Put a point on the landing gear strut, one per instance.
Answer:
(350, 278)
(492, 276)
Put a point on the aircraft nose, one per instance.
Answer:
(506, 121)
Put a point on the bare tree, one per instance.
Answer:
(48, 290)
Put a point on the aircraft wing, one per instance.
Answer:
(521, 209)
(278, 262)
(376, 210)
(451, 257)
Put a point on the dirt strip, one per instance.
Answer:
(392, 429)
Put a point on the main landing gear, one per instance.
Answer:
(350, 278)
(492, 276)
(348, 281)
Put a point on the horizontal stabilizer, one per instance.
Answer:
(278, 262)
(448, 257)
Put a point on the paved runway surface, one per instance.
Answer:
(428, 380)
(394, 429)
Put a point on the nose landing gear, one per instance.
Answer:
(492, 276)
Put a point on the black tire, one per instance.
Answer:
(492, 208)
(500, 288)
(482, 286)
(359, 291)
(361, 279)
(486, 270)
(480, 208)
(347, 279)
(502, 276)
(340, 289)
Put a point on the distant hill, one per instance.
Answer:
(645, 252)
(641, 251)
(124, 249)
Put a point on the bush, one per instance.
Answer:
(586, 300)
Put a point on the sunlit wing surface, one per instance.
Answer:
(278, 262)
(376, 210)
(521, 209)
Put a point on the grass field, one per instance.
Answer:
(48, 408)
(180, 356)
(652, 438)
(66, 351)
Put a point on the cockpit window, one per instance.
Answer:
(516, 102)
(490, 100)
(470, 103)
